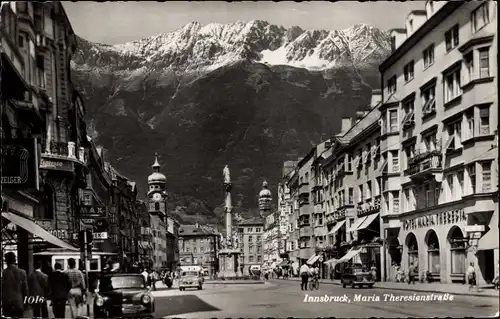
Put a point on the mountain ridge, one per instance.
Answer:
(201, 93)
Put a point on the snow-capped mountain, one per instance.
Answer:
(247, 94)
(195, 47)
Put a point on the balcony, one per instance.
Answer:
(365, 209)
(62, 156)
(426, 166)
(304, 189)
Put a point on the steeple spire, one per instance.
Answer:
(156, 165)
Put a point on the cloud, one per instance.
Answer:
(299, 11)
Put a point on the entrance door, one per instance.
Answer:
(489, 265)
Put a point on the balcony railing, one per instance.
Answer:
(64, 150)
(425, 163)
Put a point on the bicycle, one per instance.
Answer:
(314, 283)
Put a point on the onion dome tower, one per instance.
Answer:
(265, 200)
(157, 193)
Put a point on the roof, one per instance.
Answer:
(194, 230)
(372, 117)
(253, 221)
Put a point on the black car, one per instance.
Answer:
(122, 296)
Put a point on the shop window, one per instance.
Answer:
(412, 245)
(458, 251)
(433, 264)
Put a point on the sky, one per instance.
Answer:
(121, 22)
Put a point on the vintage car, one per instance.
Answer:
(123, 295)
(190, 279)
(353, 275)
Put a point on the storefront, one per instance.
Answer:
(435, 242)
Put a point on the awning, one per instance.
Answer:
(369, 219)
(350, 254)
(488, 241)
(336, 227)
(332, 262)
(313, 259)
(36, 230)
(356, 224)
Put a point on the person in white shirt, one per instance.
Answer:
(304, 274)
(146, 275)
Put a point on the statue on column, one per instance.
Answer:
(226, 175)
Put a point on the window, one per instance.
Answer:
(250, 238)
(484, 63)
(427, 195)
(451, 188)
(393, 121)
(351, 195)
(486, 172)
(480, 17)
(409, 108)
(454, 136)
(195, 250)
(393, 43)
(451, 38)
(395, 202)
(407, 204)
(38, 22)
(428, 56)
(202, 249)
(368, 190)
(409, 153)
(469, 66)
(437, 194)
(250, 259)
(360, 193)
(391, 85)
(250, 230)
(469, 118)
(409, 73)
(395, 161)
(460, 179)
(428, 100)
(430, 142)
(20, 39)
(257, 229)
(410, 25)
(484, 121)
(452, 87)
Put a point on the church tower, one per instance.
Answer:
(265, 200)
(157, 193)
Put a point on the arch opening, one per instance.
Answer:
(433, 252)
(458, 245)
(412, 245)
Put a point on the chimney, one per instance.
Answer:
(360, 115)
(328, 144)
(346, 124)
(376, 98)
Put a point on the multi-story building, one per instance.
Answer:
(145, 235)
(157, 205)
(42, 116)
(292, 184)
(172, 243)
(271, 240)
(251, 237)
(199, 246)
(439, 119)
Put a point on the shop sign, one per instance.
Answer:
(48, 225)
(92, 211)
(56, 164)
(456, 216)
(19, 169)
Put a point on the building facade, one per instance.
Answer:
(251, 233)
(172, 243)
(199, 246)
(272, 240)
(144, 235)
(440, 112)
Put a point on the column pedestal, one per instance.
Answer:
(228, 263)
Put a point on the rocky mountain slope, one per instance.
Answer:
(249, 95)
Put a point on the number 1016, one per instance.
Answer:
(33, 299)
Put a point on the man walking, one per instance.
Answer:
(77, 288)
(38, 284)
(411, 274)
(14, 288)
(60, 285)
(304, 274)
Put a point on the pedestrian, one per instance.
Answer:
(304, 275)
(38, 284)
(77, 288)
(373, 271)
(411, 274)
(471, 275)
(14, 288)
(146, 276)
(59, 287)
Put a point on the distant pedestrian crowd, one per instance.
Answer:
(20, 292)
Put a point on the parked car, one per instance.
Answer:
(355, 276)
(123, 295)
(190, 279)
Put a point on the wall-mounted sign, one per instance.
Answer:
(48, 225)
(92, 211)
(456, 216)
(56, 164)
(18, 206)
(19, 169)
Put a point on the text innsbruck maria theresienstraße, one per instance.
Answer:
(379, 298)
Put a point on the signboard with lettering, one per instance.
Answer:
(18, 206)
(92, 211)
(56, 164)
(48, 225)
(19, 169)
(456, 216)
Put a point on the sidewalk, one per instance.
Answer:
(456, 289)
(83, 311)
